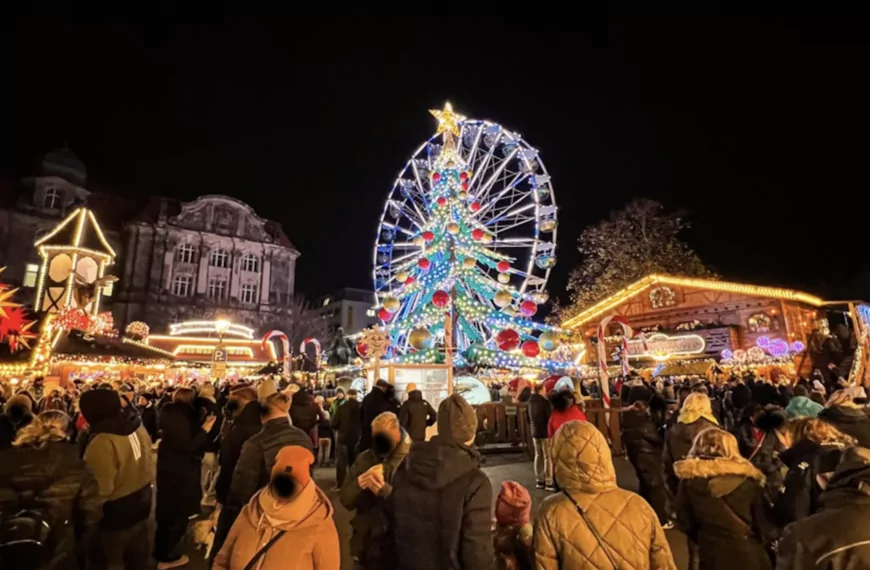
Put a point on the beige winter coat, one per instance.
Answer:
(628, 526)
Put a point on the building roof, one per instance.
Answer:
(650, 281)
(78, 229)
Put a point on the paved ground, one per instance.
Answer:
(499, 468)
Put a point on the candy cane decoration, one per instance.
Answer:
(285, 344)
(317, 350)
(627, 333)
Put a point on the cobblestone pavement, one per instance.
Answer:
(498, 468)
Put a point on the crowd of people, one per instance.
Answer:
(757, 476)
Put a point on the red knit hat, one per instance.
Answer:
(513, 507)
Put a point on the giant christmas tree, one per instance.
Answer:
(456, 288)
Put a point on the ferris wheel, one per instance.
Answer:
(510, 196)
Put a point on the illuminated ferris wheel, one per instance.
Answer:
(510, 201)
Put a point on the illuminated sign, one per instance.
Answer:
(217, 327)
(662, 347)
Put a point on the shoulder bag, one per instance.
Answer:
(253, 562)
(591, 527)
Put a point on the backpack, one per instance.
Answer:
(25, 534)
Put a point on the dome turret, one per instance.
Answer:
(65, 164)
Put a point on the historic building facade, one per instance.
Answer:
(208, 258)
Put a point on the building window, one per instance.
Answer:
(185, 253)
(349, 318)
(217, 289)
(181, 286)
(30, 274)
(108, 290)
(248, 293)
(53, 199)
(220, 258)
(251, 263)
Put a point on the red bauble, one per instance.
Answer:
(531, 348)
(464, 185)
(428, 236)
(442, 201)
(423, 264)
(362, 349)
(409, 280)
(463, 176)
(503, 266)
(507, 340)
(440, 299)
(436, 176)
(475, 206)
(384, 314)
(528, 308)
(477, 234)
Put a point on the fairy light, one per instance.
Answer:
(219, 326)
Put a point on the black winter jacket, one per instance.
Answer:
(416, 415)
(63, 488)
(807, 461)
(440, 508)
(677, 445)
(304, 411)
(347, 420)
(179, 458)
(838, 536)
(245, 425)
(851, 421)
(258, 458)
(539, 409)
(374, 404)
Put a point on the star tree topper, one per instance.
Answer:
(448, 121)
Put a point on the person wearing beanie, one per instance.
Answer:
(539, 410)
(381, 399)
(257, 459)
(286, 525)
(512, 534)
(416, 414)
(440, 507)
(117, 450)
(17, 413)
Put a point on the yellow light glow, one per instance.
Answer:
(661, 356)
(637, 287)
(448, 121)
(231, 350)
(220, 326)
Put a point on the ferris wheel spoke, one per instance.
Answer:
(509, 186)
(469, 156)
(413, 219)
(510, 209)
(517, 223)
(479, 170)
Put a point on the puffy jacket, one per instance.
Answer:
(258, 457)
(416, 415)
(837, 537)
(440, 508)
(245, 425)
(539, 415)
(851, 421)
(627, 525)
(63, 489)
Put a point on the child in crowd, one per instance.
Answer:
(512, 529)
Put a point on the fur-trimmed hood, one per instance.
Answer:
(719, 467)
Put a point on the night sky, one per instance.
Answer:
(758, 129)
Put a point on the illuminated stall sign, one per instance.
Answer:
(662, 347)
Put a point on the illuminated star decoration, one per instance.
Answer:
(15, 329)
(5, 298)
(448, 121)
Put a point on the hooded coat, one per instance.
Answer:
(837, 537)
(849, 420)
(416, 415)
(182, 445)
(244, 426)
(440, 509)
(720, 507)
(309, 542)
(628, 527)
(678, 442)
(808, 462)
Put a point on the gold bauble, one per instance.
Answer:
(549, 341)
(453, 228)
(401, 276)
(392, 304)
(462, 195)
(469, 263)
(420, 338)
(502, 298)
(487, 238)
(419, 241)
(504, 278)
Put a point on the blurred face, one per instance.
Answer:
(384, 439)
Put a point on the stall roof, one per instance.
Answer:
(649, 281)
(687, 369)
(77, 343)
(199, 349)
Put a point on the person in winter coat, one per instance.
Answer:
(206, 405)
(720, 505)
(43, 472)
(118, 452)
(337, 401)
(762, 436)
(565, 409)
(440, 507)
(695, 416)
(539, 409)
(811, 460)
(17, 413)
(347, 423)
(306, 414)
(837, 536)
(241, 422)
(381, 399)
(593, 523)
(512, 535)
(148, 414)
(847, 416)
(801, 406)
(179, 456)
(285, 526)
(367, 487)
(416, 414)
(644, 446)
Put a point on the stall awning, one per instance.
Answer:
(687, 369)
